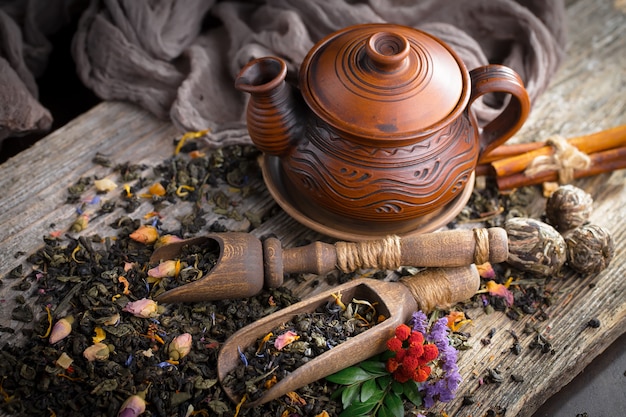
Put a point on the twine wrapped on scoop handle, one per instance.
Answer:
(449, 248)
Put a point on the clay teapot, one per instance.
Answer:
(380, 136)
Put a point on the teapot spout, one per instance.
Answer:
(273, 113)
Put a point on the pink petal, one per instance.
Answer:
(285, 339)
(500, 290)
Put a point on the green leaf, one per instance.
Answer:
(384, 381)
(397, 387)
(350, 376)
(349, 395)
(374, 367)
(337, 393)
(362, 408)
(411, 392)
(383, 411)
(368, 388)
(394, 403)
(386, 355)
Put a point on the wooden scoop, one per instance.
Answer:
(436, 287)
(244, 264)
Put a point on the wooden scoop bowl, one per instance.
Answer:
(245, 264)
(431, 288)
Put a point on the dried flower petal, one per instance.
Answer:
(486, 271)
(285, 339)
(499, 290)
(145, 234)
(98, 351)
(456, 319)
(61, 329)
(295, 398)
(157, 189)
(105, 185)
(144, 308)
(180, 346)
(100, 335)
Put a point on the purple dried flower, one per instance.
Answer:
(445, 388)
(438, 331)
(419, 322)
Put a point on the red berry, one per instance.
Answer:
(430, 352)
(410, 363)
(421, 374)
(392, 365)
(394, 344)
(402, 332)
(416, 351)
(416, 338)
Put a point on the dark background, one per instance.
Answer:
(60, 91)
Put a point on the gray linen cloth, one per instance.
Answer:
(178, 59)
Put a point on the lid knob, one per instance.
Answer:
(387, 51)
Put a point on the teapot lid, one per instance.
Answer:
(384, 81)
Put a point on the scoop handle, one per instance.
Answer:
(443, 287)
(449, 248)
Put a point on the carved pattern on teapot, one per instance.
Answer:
(400, 184)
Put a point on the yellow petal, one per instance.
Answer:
(100, 335)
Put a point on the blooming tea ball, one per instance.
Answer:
(568, 207)
(590, 248)
(535, 246)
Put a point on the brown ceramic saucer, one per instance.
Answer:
(330, 224)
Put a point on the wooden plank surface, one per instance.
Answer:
(588, 94)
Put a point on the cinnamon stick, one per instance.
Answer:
(507, 151)
(601, 162)
(589, 144)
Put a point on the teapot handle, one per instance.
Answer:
(500, 79)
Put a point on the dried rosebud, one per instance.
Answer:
(80, 223)
(590, 248)
(133, 406)
(169, 268)
(61, 329)
(180, 346)
(145, 234)
(535, 246)
(144, 308)
(568, 207)
(166, 240)
(105, 185)
(98, 351)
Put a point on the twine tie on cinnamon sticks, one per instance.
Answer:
(605, 149)
(565, 160)
(387, 253)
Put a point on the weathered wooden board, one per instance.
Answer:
(588, 94)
